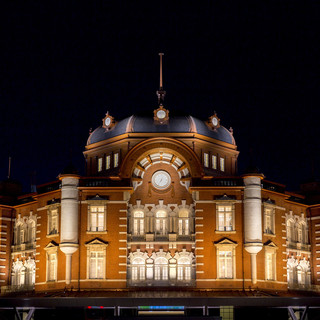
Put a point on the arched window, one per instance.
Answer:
(138, 269)
(183, 223)
(138, 223)
(290, 231)
(31, 228)
(161, 269)
(184, 269)
(18, 273)
(30, 276)
(161, 222)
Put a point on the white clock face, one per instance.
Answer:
(107, 122)
(214, 121)
(161, 179)
(161, 114)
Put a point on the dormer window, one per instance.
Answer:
(214, 162)
(115, 160)
(222, 164)
(108, 161)
(99, 164)
(206, 159)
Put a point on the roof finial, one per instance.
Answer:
(161, 93)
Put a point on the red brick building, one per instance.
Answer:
(161, 205)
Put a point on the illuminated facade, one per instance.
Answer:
(161, 205)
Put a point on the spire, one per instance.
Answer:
(9, 168)
(161, 93)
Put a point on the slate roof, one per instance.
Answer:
(147, 125)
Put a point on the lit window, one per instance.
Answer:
(138, 223)
(161, 269)
(225, 261)
(161, 222)
(53, 219)
(184, 269)
(96, 218)
(206, 160)
(96, 259)
(290, 231)
(96, 265)
(31, 231)
(270, 266)
(18, 273)
(108, 160)
(51, 266)
(214, 162)
(302, 235)
(138, 269)
(99, 164)
(183, 223)
(225, 217)
(222, 164)
(116, 160)
(269, 221)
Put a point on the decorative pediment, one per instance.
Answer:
(225, 197)
(96, 242)
(270, 244)
(97, 200)
(51, 245)
(225, 241)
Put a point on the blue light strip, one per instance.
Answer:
(161, 308)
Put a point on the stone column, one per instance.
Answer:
(252, 219)
(69, 219)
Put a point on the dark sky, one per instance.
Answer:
(64, 64)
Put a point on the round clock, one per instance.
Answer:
(107, 122)
(161, 179)
(161, 114)
(214, 121)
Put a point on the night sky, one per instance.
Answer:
(64, 64)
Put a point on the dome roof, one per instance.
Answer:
(175, 125)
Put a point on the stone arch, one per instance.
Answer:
(155, 150)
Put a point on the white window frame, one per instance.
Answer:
(138, 223)
(161, 222)
(214, 159)
(184, 222)
(222, 163)
(52, 273)
(96, 218)
(100, 164)
(108, 162)
(206, 159)
(53, 214)
(96, 246)
(270, 262)
(269, 220)
(226, 246)
(225, 214)
(116, 159)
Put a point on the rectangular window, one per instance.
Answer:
(52, 266)
(96, 265)
(116, 160)
(225, 265)
(206, 160)
(222, 164)
(108, 161)
(225, 217)
(269, 221)
(270, 263)
(99, 164)
(214, 162)
(53, 222)
(97, 218)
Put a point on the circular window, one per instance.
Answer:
(161, 179)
